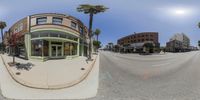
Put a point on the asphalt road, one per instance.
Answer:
(153, 77)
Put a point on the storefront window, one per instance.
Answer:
(53, 34)
(70, 49)
(44, 34)
(74, 48)
(36, 47)
(46, 47)
(67, 49)
(35, 35)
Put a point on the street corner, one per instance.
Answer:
(83, 86)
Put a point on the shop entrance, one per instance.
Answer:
(56, 51)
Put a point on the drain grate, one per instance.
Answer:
(82, 68)
(18, 73)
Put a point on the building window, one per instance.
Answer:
(20, 27)
(36, 47)
(42, 20)
(16, 30)
(70, 49)
(142, 40)
(46, 48)
(44, 34)
(67, 49)
(57, 20)
(73, 25)
(35, 35)
(81, 30)
(54, 34)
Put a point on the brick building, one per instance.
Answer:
(48, 36)
(135, 42)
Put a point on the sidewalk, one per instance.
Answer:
(52, 74)
(85, 89)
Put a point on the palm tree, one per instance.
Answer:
(2, 26)
(199, 40)
(91, 10)
(97, 32)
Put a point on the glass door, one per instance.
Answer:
(59, 50)
(56, 50)
(53, 51)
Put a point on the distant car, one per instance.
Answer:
(145, 53)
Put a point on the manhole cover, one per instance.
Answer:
(18, 73)
(82, 68)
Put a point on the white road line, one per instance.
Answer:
(161, 64)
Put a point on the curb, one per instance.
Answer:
(50, 87)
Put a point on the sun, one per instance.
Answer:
(179, 11)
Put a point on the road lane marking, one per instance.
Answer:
(161, 64)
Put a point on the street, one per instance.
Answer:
(172, 76)
(153, 77)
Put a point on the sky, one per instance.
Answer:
(124, 17)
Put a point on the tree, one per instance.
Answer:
(91, 10)
(149, 47)
(199, 40)
(97, 44)
(97, 32)
(2, 26)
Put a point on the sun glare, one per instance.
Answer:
(179, 11)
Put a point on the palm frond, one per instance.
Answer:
(2, 24)
(87, 8)
(97, 32)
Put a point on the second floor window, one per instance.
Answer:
(73, 25)
(57, 20)
(42, 20)
(81, 30)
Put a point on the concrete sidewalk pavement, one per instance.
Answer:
(85, 89)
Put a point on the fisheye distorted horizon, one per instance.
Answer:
(122, 18)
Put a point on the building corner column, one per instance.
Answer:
(78, 46)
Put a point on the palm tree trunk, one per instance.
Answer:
(97, 47)
(90, 36)
(2, 40)
(13, 55)
(97, 37)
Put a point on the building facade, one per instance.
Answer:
(135, 42)
(48, 35)
(178, 43)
